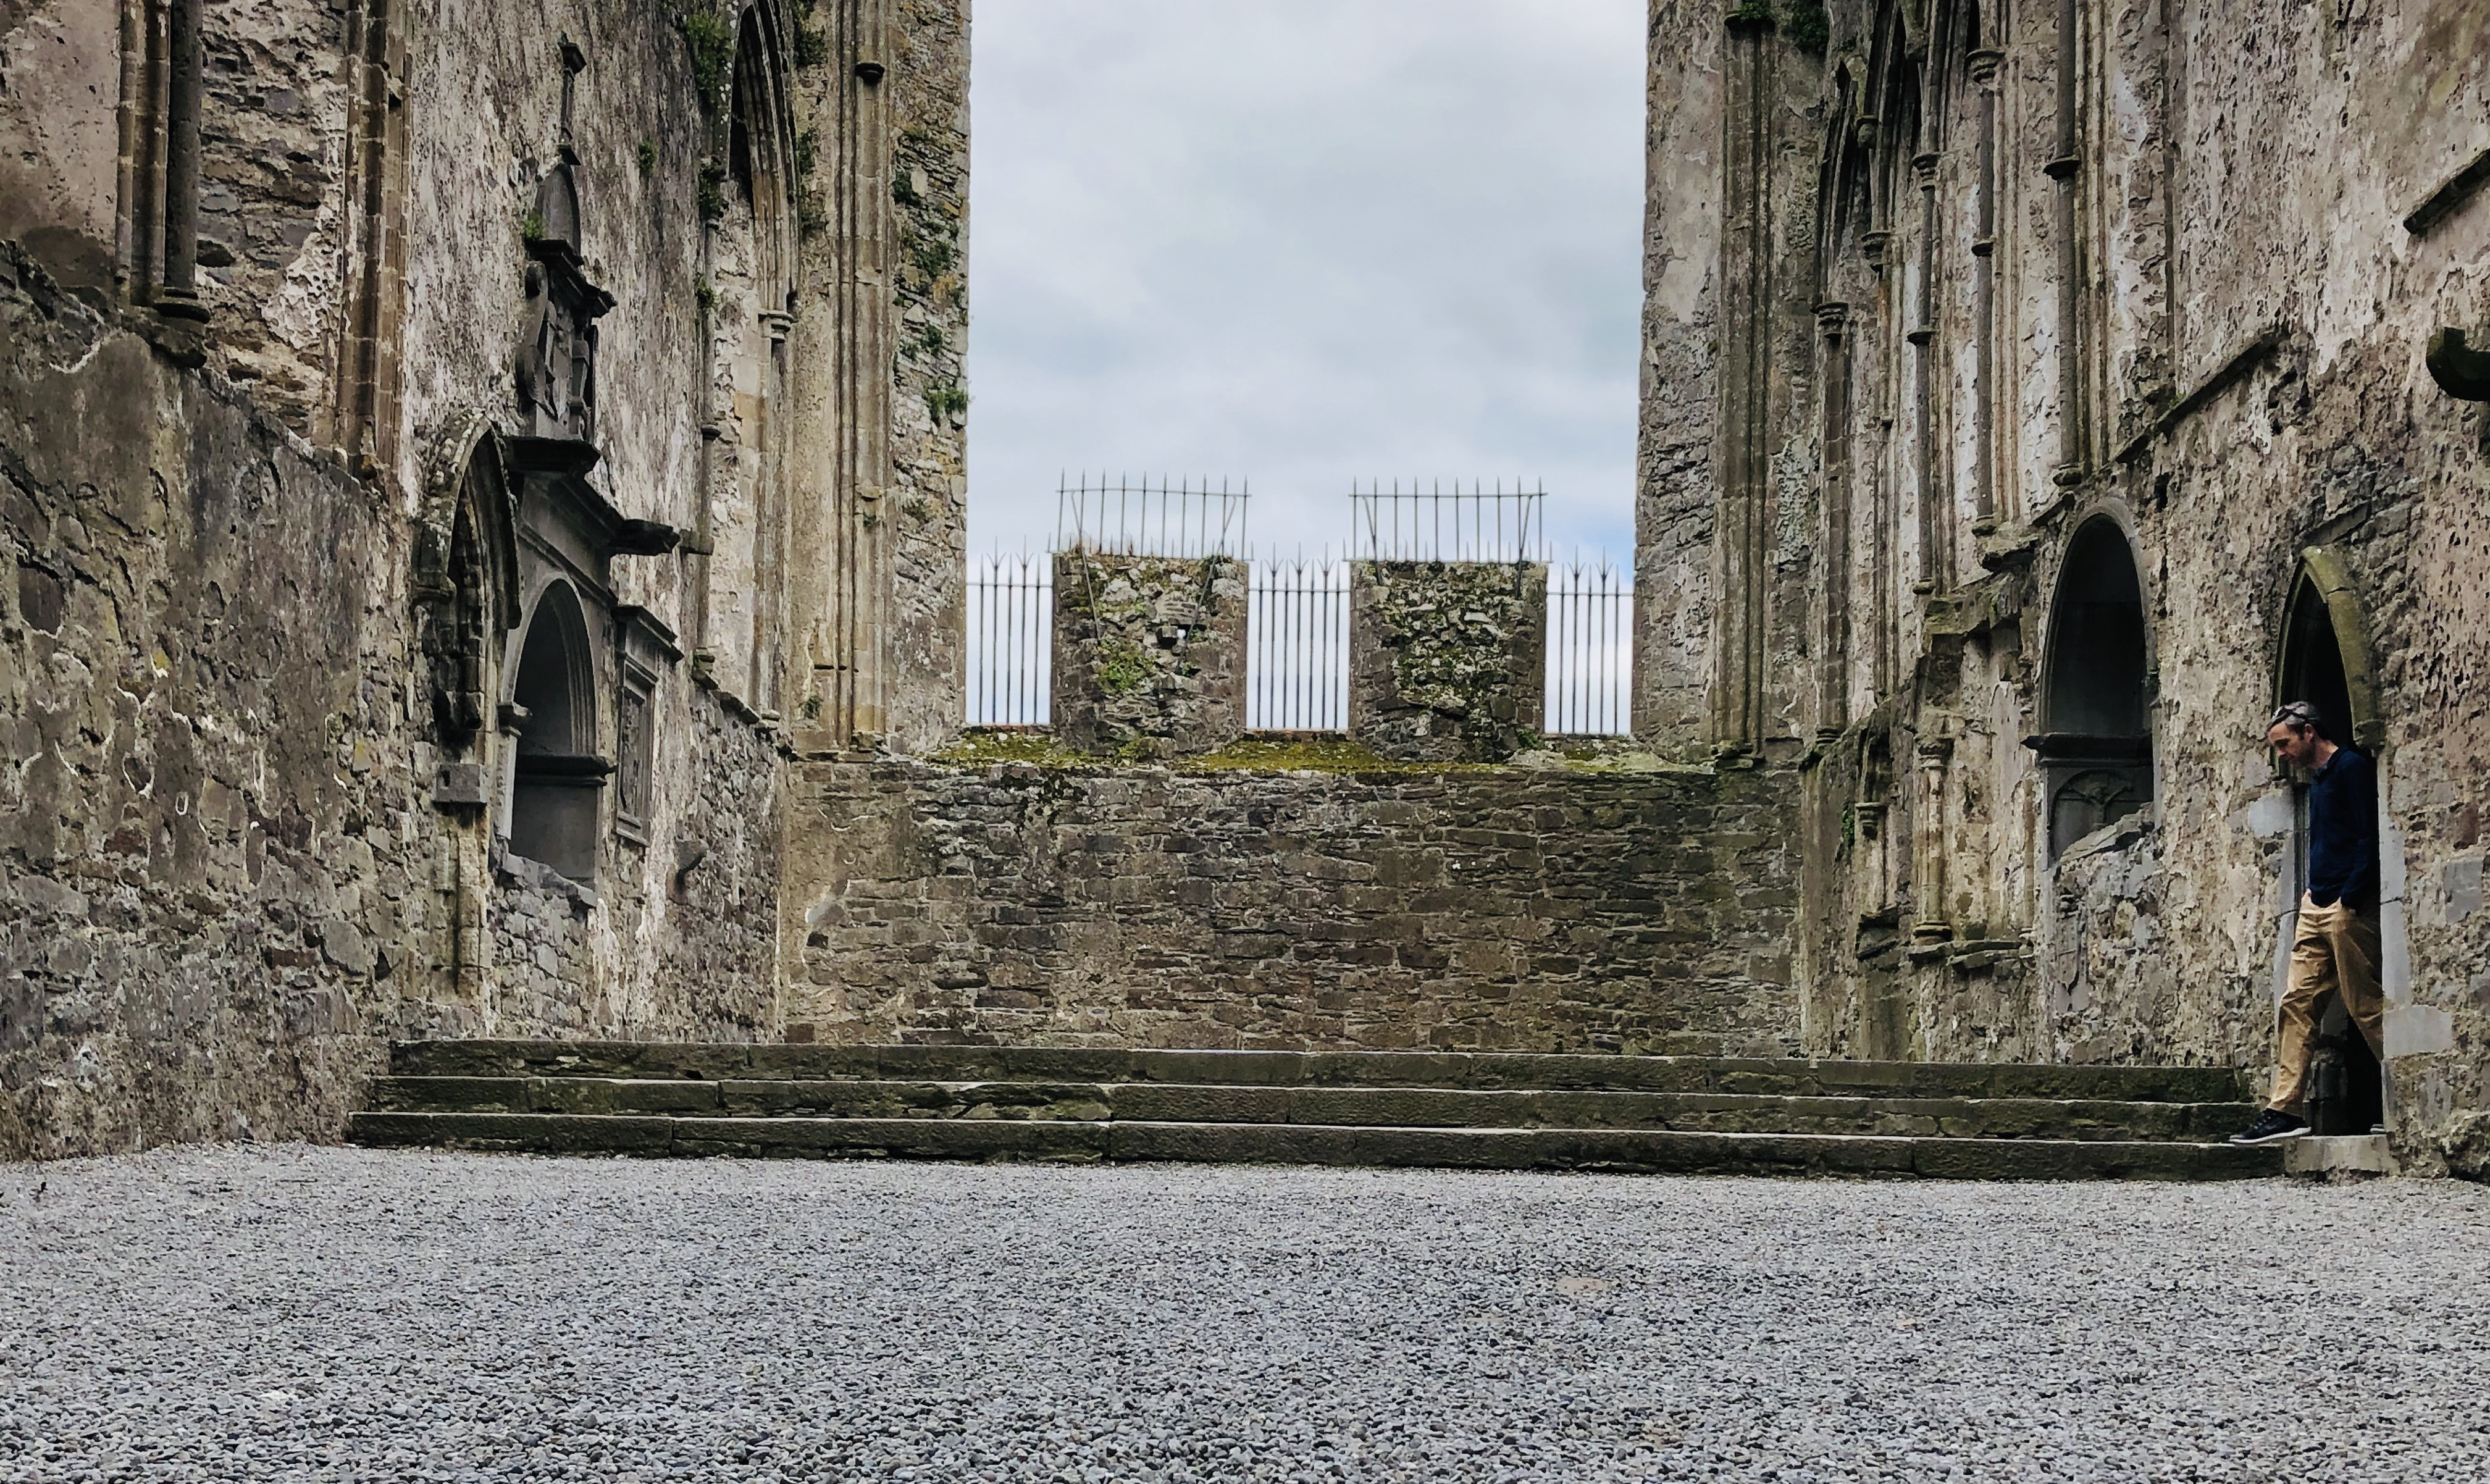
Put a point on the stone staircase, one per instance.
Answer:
(1466, 1110)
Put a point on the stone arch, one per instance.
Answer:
(2097, 685)
(467, 583)
(2324, 656)
(557, 775)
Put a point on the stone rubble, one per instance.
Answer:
(291, 1313)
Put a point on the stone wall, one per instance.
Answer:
(1148, 653)
(1447, 661)
(224, 883)
(1928, 325)
(215, 859)
(1504, 908)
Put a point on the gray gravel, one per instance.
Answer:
(343, 1313)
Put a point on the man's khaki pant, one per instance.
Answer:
(2335, 948)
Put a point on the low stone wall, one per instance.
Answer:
(1490, 908)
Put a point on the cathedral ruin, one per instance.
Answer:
(485, 494)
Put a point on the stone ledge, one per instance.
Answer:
(2351, 1154)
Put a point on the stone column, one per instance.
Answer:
(1740, 557)
(1447, 661)
(1148, 653)
(1833, 660)
(1983, 285)
(2064, 169)
(1935, 572)
(178, 296)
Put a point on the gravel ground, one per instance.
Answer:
(223, 1314)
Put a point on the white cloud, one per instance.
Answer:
(1305, 242)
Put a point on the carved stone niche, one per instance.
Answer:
(581, 647)
(557, 380)
(587, 669)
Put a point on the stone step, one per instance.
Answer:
(1615, 1150)
(1514, 1070)
(1341, 1107)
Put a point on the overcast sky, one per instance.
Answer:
(1305, 242)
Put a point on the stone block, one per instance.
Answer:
(1447, 661)
(1148, 653)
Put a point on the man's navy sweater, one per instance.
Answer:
(2343, 831)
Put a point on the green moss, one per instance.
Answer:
(712, 47)
(647, 155)
(985, 745)
(1122, 668)
(703, 294)
(809, 152)
(532, 225)
(944, 401)
(712, 192)
(1809, 28)
(811, 45)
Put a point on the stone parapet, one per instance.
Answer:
(1447, 661)
(1148, 653)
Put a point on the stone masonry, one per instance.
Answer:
(1468, 908)
(2012, 372)
(1148, 653)
(413, 419)
(1447, 661)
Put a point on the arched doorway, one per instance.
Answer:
(557, 775)
(2325, 661)
(2096, 743)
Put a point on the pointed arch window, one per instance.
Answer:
(2095, 746)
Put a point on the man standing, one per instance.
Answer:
(2335, 946)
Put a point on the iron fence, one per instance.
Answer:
(1590, 649)
(1296, 646)
(1011, 627)
(1171, 518)
(1428, 523)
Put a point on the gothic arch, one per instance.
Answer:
(467, 580)
(2325, 656)
(557, 775)
(2097, 685)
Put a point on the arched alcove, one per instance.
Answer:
(2096, 743)
(559, 776)
(2324, 657)
(2324, 660)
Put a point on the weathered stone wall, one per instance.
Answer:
(1466, 908)
(2181, 300)
(929, 437)
(227, 884)
(1148, 653)
(1447, 661)
(216, 861)
(267, 573)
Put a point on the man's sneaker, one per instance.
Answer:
(2270, 1126)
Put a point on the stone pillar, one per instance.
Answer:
(1148, 653)
(1447, 661)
